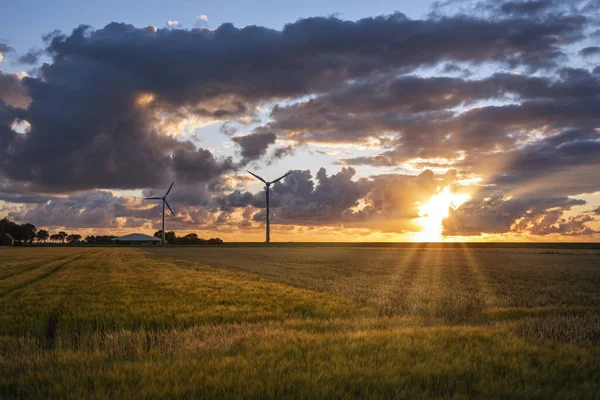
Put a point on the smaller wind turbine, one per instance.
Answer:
(164, 202)
(267, 193)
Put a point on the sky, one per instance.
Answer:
(398, 121)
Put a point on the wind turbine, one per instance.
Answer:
(164, 201)
(267, 193)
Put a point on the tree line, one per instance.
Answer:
(27, 233)
(189, 239)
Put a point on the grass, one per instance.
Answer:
(448, 283)
(298, 322)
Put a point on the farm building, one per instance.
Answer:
(136, 238)
(6, 239)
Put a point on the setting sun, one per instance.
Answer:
(432, 213)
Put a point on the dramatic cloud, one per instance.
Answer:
(120, 107)
(4, 48)
(99, 111)
(525, 7)
(590, 51)
(96, 209)
(497, 214)
(12, 91)
(254, 145)
(389, 202)
(199, 166)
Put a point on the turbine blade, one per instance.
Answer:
(257, 177)
(280, 178)
(168, 191)
(169, 207)
(152, 198)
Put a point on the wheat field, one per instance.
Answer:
(299, 322)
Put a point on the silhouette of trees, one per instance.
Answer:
(24, 233)
(42, 235)
(103, 239)
(189, 239)
(28, 232)
(170, 236)
(72, 238)
(62, 236)
(59, 237)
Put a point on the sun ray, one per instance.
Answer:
(433, 213)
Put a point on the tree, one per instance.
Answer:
(62, 236)
(72, 238)
(42, 235)
(90, 239)
(170, 236)
(29, 232)
(214, 241)
(55, 237)
(106, 239)
(189, 239)
(25, 232)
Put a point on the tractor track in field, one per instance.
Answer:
(41, 277)
(33, 267)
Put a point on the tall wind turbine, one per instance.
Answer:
(267, 192)
(164, 202)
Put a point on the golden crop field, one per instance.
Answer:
(299, 322)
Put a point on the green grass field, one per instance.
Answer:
(299, 322)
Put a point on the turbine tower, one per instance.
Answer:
(164, 202)
(268, 185)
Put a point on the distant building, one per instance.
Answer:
(136, 238)
(6, 239)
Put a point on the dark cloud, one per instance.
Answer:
(526, 7)
(200, 165)
(589, 51)
(453, 68)
(299, 200)
(12, 92)
(497, 214)
(420, 116)
(11, 192)
(95, 209)
(546, 126)
(101, 110)
(389, 202)
(32, 57)
(254, 145)
(551, 222)
(283, 151)
(4, 48)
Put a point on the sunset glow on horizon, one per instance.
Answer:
(433, 213)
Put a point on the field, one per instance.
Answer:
(299, 322)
